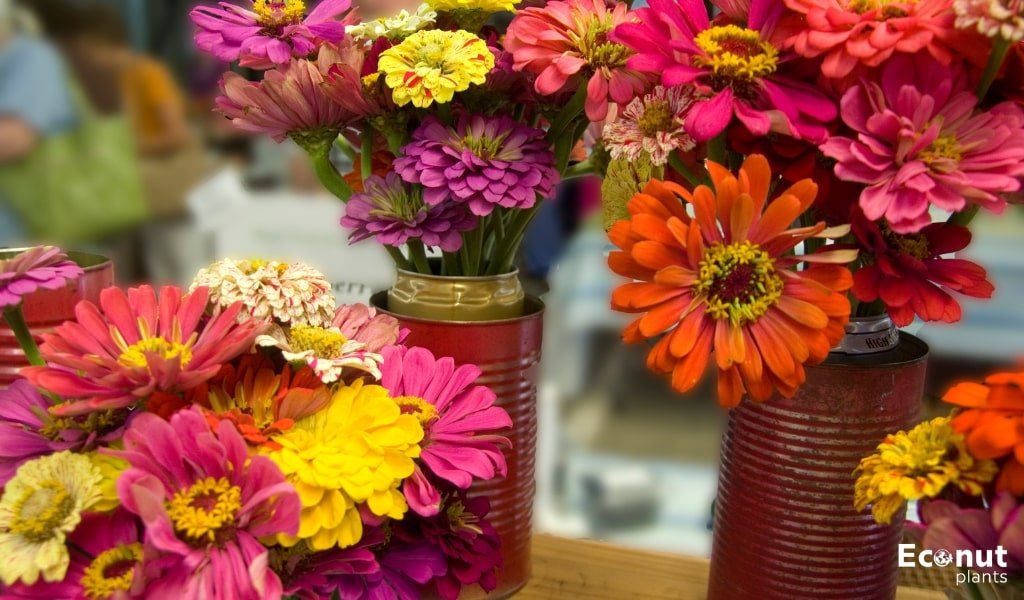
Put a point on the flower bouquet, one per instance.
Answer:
(242, 439)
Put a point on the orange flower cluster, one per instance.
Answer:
(726, 280)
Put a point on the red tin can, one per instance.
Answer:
(508, 353)
(46, 309)
(784, 526)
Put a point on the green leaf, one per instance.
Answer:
(624, 180)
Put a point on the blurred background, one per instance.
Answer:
(163, 185)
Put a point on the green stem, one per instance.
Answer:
(419, 256)
(679, 167)
(964, 217)
(16, 321)
(1000, 47)
(586, 167)
(366, 153)
(400, 260)
(506, 253)
(328, 174)
(450, 262)
(716, 149)
(567, 115)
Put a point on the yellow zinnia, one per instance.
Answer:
(488, 6)
(432, 65)
(110, 468)
(41, 504)
(918, 464)
(356, 450)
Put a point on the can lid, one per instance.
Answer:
(869, 335)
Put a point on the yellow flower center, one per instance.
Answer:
(943, 154)
(739, 282)
(41, 510)
(595, 47)
(136, 355)
(424, 411)
(251, 266)
(887, 9)
(735, 53)
(111, 572)
(99, 422)
(657, 118)
(325, 343)
(271, 13)
(206, 512)
(913, 244)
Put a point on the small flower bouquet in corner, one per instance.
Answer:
(243, 439)
(966, 473)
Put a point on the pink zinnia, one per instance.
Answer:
(39, 268)
(205, 504)
(919, 142)
(271, 33)
(364, 324)
(868, 32)
(135, 344)
(566, 39)
(735, 66)
(459, 422)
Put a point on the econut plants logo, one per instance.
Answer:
(973, 566)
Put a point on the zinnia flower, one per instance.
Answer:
(916, 464)
(288, 293)
(483, 162)
(919, 142)
(271, 33)
(566, 39)
(725, 280)
(315, 575)
(136, 344)
(364, 324)
(653, 124)
(869, 32)
(39, 268)
(910, 273)
(992, 18)
(356, 450)
(735, 65)
(431, 66)
(404, 569)
(41, 504)
(393, 212)
(952, 528)
(324, 349)
(991, 418)
(395, 28)
(290, 102)
(110, 569)
(485, 6)
(459, 420)
(205, 503)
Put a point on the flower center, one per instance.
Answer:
(485, 147)
(111, 572)
(278, 13)
(137, 355)
(325, 343)
(424, 411)
(657, 118)
(943, 154)
(887, 9)
(252, 266)
(206, 512)
(460, 518)
(912, 244)
(739, 282)
(41, 510)
(598, 51)
(100, 422)
(735, 53)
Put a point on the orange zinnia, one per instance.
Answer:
(991, 418)
(725, 280)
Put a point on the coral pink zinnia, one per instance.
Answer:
(735, 65)
(39, 268)
(135, 344)
(919, 142)
(459, 422)
(564, 39)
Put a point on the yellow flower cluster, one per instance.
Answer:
(356, 450)
(488, 6)
(432, 65)
(918, 464)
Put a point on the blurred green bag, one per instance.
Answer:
(81, 185)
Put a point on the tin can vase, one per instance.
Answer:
(507, 350)
(785, 527)
(45, 309)
(442, 298)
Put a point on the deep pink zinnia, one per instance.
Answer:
(205, 504)
(459, 422)
(566, 39)
(919, 141)
(736, 66)
(39, 268)
(271, 33)
(135, 344)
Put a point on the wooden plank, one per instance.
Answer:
(581, 569)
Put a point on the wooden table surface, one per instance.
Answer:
(585, 570)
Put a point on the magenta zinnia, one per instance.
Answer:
(918, 141)
(135, 344)
(271, 33)
(39, 268)
(484, 162)
(737, 66)
(459, 419)
(205, 504)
